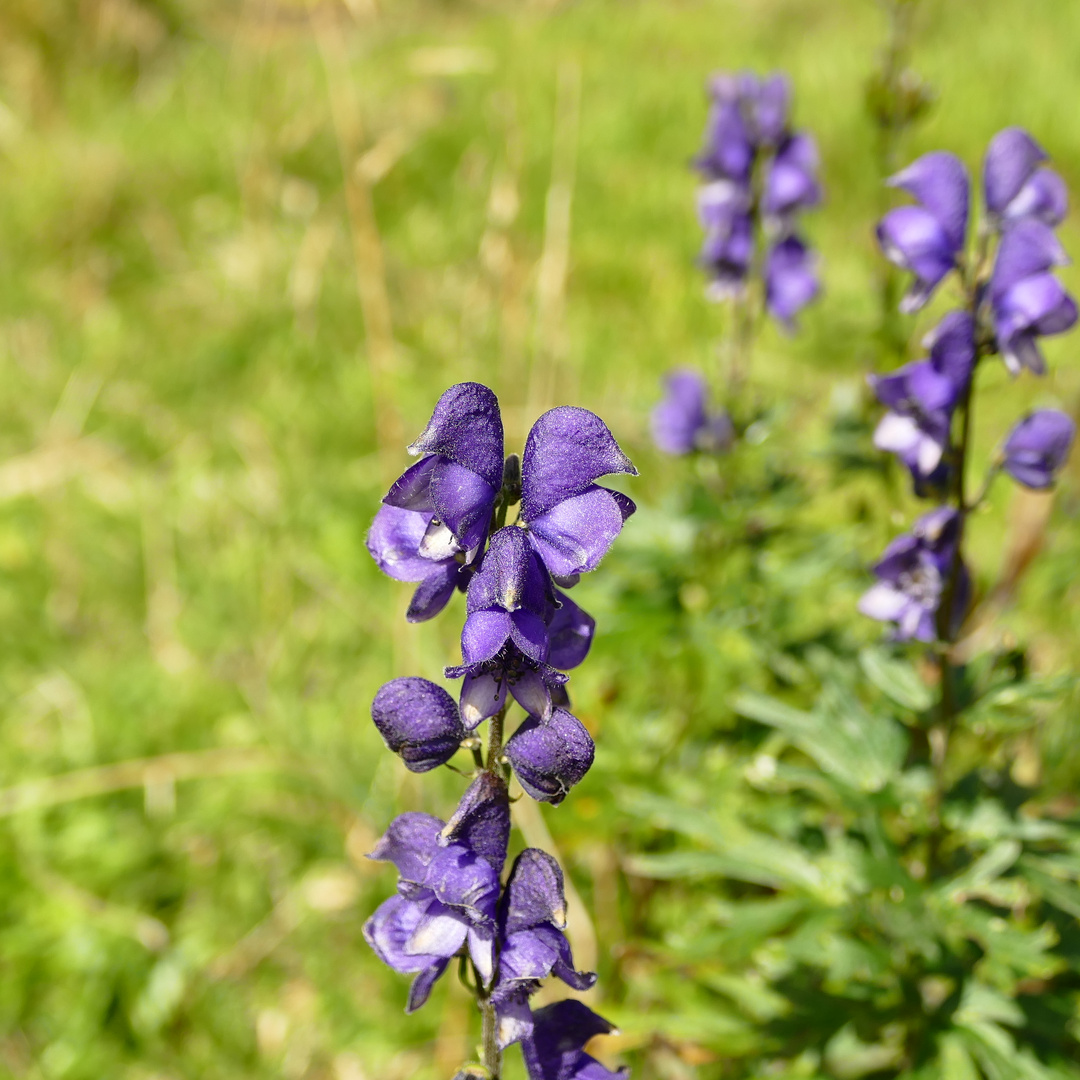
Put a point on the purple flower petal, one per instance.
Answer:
(439, 931)
(392, 927)
(1028, 248)
(1011, 158)
(952, 349)
(460, 878)
(419, 721)
(434, 592)
(529, 633)
(770, 111)
(679, 417)
(574, 536)
(550, 756)
(914, 240)
(422, 985)
(511, 577)
(727, 152)
(940, 182)
(466, 428)
(463, 500)
(570, 630)
(393, 541)
(482, 820)
(412, 490)
(410, 843)
(792, 182)
(1043, 197)
(482, 696)
(484, 634)
(1038, 446)
(555, 1049)
(790, 279)
(567, 450)
(534, 892)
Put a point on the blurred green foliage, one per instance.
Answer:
(192, 629)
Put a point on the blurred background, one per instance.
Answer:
(243, 248)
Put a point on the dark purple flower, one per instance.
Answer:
(681, 423)
(927, 239)
(1028, 301)
(790, 279)
(550, 756)
(913, 570)
(1038, 446)
(556, 1048)
(532, 916)
(448, 889)
(1011, 160)
(419, 721)
(571, 520)
(394, 542)
(921, 397)
(792, 183)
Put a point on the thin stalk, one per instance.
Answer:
(495, 736)
(491, 1055)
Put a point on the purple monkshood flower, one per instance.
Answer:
(927, 239)
(681, 423)
(1016, 186)
(792, 181)
(556, 1048)
(419, 721)
(437, 515)
(448, 888)
(913, 570)
(1037, 448)
(791, 280)
(549, 756)
(921, 397)
(532, 916)
(520, 633)
(1027, 301)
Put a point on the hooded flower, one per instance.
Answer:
(549, 756)
(1037, 447)
(927, 239)
(448, 888)
(571, 520)
(1014, 185)
(532, 916)
(791, 280)
(921, 397)
(912, 572)
(681, 423)
(792, 180)
(419, 721)
(521, 633)
(555, 1049)
(1028, 302)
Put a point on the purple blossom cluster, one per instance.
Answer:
(1012, 298)
(443, 525)
(759, 175)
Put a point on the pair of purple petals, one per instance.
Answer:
(437, 515)
(912, 573)
(420, 721)
(682, 422)
(1024, 201)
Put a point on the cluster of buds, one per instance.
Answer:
(1012, 298)
(444, 526)
(759, 175)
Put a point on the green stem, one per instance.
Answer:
(495, 736)
(491, 1055)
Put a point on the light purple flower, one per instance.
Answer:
(1037, 448)
(792, 180)
(791, 280)
(913, 570)
(419, 721)
(1011, 160)
(681, 423)
(448, 890)
(927, 239)
(1028, 302)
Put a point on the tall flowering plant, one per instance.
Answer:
(758, 175)
(1011, 299)
(443, 525)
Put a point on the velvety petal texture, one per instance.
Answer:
(481, 821)
(550, 756)
(1037, 448)
(555, 1048)
(418, 720)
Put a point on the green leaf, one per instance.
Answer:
(982, 871)
(896, 679)
(955, 1061)
(859, 749)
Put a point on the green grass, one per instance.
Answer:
(189, 463)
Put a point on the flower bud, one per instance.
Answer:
(419, 721)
